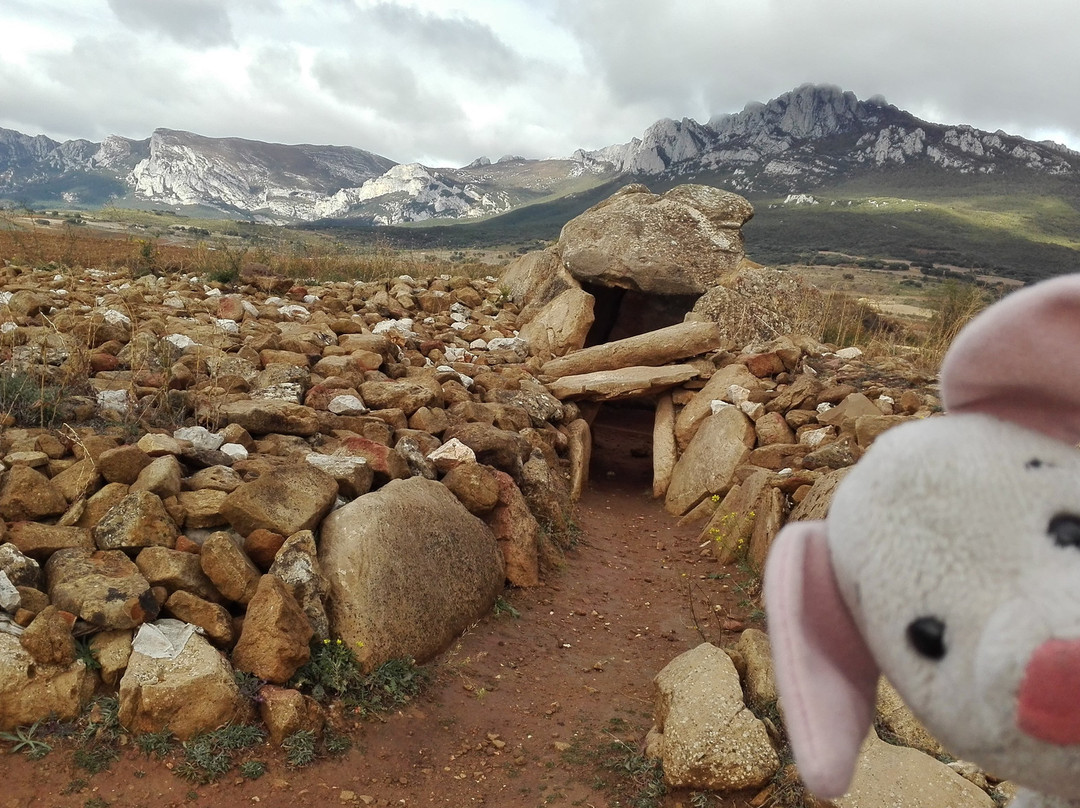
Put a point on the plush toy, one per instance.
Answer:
(950, 562)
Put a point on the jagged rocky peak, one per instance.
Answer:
(809, 111)
(479, 162)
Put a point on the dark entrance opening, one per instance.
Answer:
(622, 444)
(620, 313)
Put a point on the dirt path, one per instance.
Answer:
(523, 711)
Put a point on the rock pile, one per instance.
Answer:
(373, 461)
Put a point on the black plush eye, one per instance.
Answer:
(927, 637)
(1065, 530)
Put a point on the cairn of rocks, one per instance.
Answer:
(368, 461)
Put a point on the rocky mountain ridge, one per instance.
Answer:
(802, 140)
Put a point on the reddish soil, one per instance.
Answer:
(522, 711)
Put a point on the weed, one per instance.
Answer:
(102, 720)
(96, 759)
(249, 685)
(503, 606)
(646, 775)
(252, 769)
(23, 740)
(96, 802)
(208, 756)
(74, 786)
(336, 744)
(82, 649)
(30, 401)
(334, 672)
(700, 799)
(156, 743)
(300, 748)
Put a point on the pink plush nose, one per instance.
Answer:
(1049, 698)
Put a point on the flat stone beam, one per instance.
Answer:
(609, 385)
(653, 349)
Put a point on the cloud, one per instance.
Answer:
(198, 23)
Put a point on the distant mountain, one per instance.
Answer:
(820, 135)
(812, 138)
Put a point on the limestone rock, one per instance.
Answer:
(30, 691)
(815, 505)
(700, 406)
(652, 349)
(678, 243)
(48, 638)
(579, 455)
(26, 493)
(39, 541)
(274, 641)
(213, 618)
(297, 565)
(265, 416)
(192, 693)
(286, 711)
(176, 570)
(534, 279)
(755, 304)
(79, 480)
(710, 739)
(888, 775)
(161, 477)
(406, 587)
(285, 500)
(122, 464)
(561, 325)
(517, 532)
(492, 446)
(629, 382)
(665, 450)
(896, 718)
(138, 520)
(475, 485)
(203, 508)
(111, 649)
(103, 587)
(708, 464)
(20, 569)
(752, 656)
(228, 567)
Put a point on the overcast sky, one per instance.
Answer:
(445, 81)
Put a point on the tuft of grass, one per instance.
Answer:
(503, 606)
(210, 755)
(252, 769)
(30, 401)
(23, 740)
(97, 758)
(156, 743)
(300, 748)
(334, 672)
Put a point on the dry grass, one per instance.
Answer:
(79, 247)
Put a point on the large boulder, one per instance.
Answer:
(191, 693)
(677, 243)
(403, 586)
(709, 462)
(708, 739)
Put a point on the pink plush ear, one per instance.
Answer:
(825, 674)
(1019, 361)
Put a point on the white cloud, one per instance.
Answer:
(444, 81)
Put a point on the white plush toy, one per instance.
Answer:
(950, 562)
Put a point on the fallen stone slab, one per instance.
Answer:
(629, 382)
(653, 349)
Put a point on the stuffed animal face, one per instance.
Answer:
(957, 550)
(950, 561)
